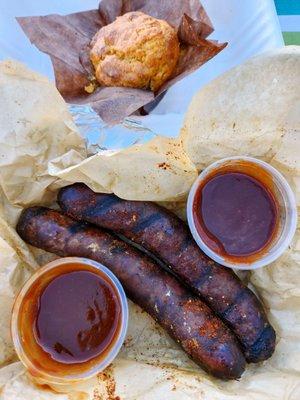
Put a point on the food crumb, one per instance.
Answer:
(164, 165)
(93, 247)
(106, 378)
(91, 87)
(128, 341)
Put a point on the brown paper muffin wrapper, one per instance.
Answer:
(66, 40)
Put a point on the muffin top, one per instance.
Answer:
(136, 50)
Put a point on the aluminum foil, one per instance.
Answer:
(133, 130)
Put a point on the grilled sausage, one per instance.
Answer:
(168, 238)
(185, 317)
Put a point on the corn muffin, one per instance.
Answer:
(136, 50)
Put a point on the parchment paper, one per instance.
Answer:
(150, 365)
(36, 127)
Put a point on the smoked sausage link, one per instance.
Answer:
(185, 317)
(167, 237)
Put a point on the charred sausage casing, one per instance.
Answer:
(185, 317)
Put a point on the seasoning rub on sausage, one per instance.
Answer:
(185, 317)
(168, 238)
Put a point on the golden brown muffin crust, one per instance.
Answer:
(136, 50)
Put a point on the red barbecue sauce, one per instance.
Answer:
(70, 318)
(236, 212)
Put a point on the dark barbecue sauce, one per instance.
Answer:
(236, 213)
(70, 319)
(77, 317)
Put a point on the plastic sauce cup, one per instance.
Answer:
(68, 374)
(286, 206)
